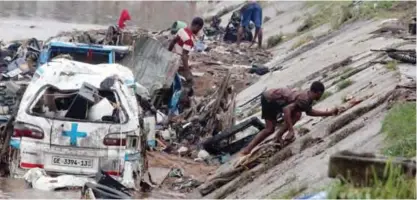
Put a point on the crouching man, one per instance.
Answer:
(291, 103)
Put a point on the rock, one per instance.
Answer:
(182, 151)
(203, 154)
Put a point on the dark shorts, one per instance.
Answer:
(270, 110)
(252, 13)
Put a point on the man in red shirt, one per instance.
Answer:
(183, 43)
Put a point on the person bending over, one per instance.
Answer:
(291, 103)
(252, 11)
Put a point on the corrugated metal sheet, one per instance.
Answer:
(152, 64)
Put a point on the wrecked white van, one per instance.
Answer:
(77, 118)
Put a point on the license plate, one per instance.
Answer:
(72, 162)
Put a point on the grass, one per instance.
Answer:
(391, 65)
(325, 95)
(344, 84)
(302, 41)
(395, 185)
(338, 13)
(293, 192)
(346, 73)
(274, 40)
(399, 126)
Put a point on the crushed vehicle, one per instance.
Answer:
(78, 118)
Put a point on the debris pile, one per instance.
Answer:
(220, 72)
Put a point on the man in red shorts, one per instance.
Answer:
(292, 103)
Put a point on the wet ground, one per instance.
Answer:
(17, 188)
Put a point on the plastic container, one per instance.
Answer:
(176, 26)
(102, 108)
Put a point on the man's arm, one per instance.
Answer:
(172, 44)
(318, 113)
(287, 116)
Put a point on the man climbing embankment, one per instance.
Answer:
(252, 11)
(291, 103)
(183, 43)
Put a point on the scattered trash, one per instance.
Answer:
(104, 187)
(203, 155)
(185, 184)
(176, 172)
(182, 151)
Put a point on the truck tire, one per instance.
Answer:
(212, 145)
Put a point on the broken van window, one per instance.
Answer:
(91, 57)
(69, 104)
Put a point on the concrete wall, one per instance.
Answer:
(147, 14)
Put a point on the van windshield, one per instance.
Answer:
(78, 105)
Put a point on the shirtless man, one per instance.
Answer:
(292, 103)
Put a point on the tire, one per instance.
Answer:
(213, 145)
(105, 192)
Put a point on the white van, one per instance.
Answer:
(61, 129)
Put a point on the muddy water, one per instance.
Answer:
(18, 189)
(143, 13)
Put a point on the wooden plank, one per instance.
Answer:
(216, 105)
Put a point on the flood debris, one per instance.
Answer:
(105, 187)
(38, 179)
(174, 119)
(406, 56)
